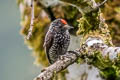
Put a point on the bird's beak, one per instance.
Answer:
(68, 26)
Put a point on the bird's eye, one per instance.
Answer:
(63, 21)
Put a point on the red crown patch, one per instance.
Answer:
(63, 21)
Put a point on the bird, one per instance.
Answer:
(57, 39)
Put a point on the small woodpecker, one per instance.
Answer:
(57, 39)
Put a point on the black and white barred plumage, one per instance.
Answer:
(57, 39)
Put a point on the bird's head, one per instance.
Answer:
(60, 24)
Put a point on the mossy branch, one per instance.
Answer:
(92, 48)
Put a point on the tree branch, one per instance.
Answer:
(63, 62)
(89, 48)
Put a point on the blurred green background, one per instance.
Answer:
(16, 62)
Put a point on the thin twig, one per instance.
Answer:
(32, 20)
(97, 6)
(102, 3)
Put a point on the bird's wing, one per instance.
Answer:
(48, 43)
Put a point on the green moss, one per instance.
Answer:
(108, 69)
(89, 22)
(108, 73)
